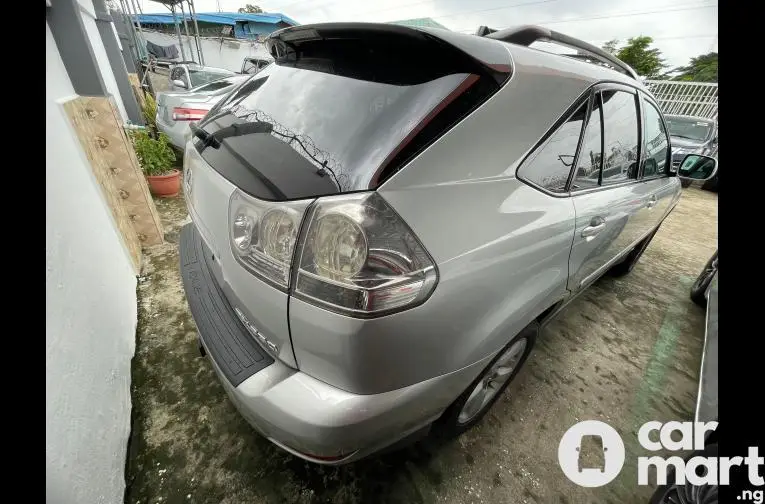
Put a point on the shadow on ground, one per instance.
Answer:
(625, 352)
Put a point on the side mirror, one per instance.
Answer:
(697, 167)
(179, 83)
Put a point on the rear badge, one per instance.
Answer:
(251, 328)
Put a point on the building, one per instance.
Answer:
(92, 256)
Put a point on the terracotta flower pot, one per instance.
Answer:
(165, 186)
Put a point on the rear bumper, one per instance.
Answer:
(302, 415)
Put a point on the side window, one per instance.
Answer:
(620, 142)
(550, 165)
(590, 156)
(656, 142)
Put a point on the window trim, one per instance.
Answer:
(545, 141)
(638, 116)
(582, 99)
(588, 96)
(668, 162)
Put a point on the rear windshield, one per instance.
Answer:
(201, 77)
(292, 133)
(689, 128)
(219, 85)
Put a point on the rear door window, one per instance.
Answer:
(620, 141)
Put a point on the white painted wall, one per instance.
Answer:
(90, 318)
(227, 54)
(89, 20)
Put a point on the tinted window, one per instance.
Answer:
(220, 84)
(656, 143)
(200, 77)
(690, 128)
(550, 165)
(620, 147)
(590, 155)
(309, 133)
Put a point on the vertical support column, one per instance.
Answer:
(178, 32)
(129, 51)
(193, 12)
(186, 29)
(68, 30)
(116, 62)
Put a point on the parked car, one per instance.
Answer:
(383, 219)
(703, 293)
(188, 75)
(176, 110)
(693, 135)
(252, 65)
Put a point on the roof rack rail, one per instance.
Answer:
(528, 34)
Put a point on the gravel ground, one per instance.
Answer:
(626, 351)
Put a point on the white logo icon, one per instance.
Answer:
(591, 453)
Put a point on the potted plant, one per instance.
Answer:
(157, 159)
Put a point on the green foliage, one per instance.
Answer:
(702, 68)
(638, 54)
(155, 155)
(249, 9)
(150, 114)
(610, 46)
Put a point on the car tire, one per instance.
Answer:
(629, 262)
(456, 419)
(685, 182)
(699, 287)
(687, 493)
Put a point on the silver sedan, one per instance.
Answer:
(177, 109)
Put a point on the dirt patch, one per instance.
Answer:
(626, 351)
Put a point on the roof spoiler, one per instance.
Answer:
(412, 49)
(528, 34)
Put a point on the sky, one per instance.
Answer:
(681, 29)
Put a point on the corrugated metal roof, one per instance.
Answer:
(419, 23)
(224, 18)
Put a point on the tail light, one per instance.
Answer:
(354, 254)
(188, 114)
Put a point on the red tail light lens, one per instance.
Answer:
(188, 114)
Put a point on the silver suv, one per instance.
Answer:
(385, 216)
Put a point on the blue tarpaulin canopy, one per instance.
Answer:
(223, 18)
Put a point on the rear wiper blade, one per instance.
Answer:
(207, 138)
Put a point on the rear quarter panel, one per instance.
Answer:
(501, 246)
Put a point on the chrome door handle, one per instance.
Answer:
(592, 230)
(651, 201)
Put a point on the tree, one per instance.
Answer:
(646, 61)
(249, 9)
(702, 68)
(610, 46)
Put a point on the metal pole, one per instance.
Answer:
(134, 52)
(178, 32)
(186, 29)
(138, 22)
(193, 13)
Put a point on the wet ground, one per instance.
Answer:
(626, 351)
